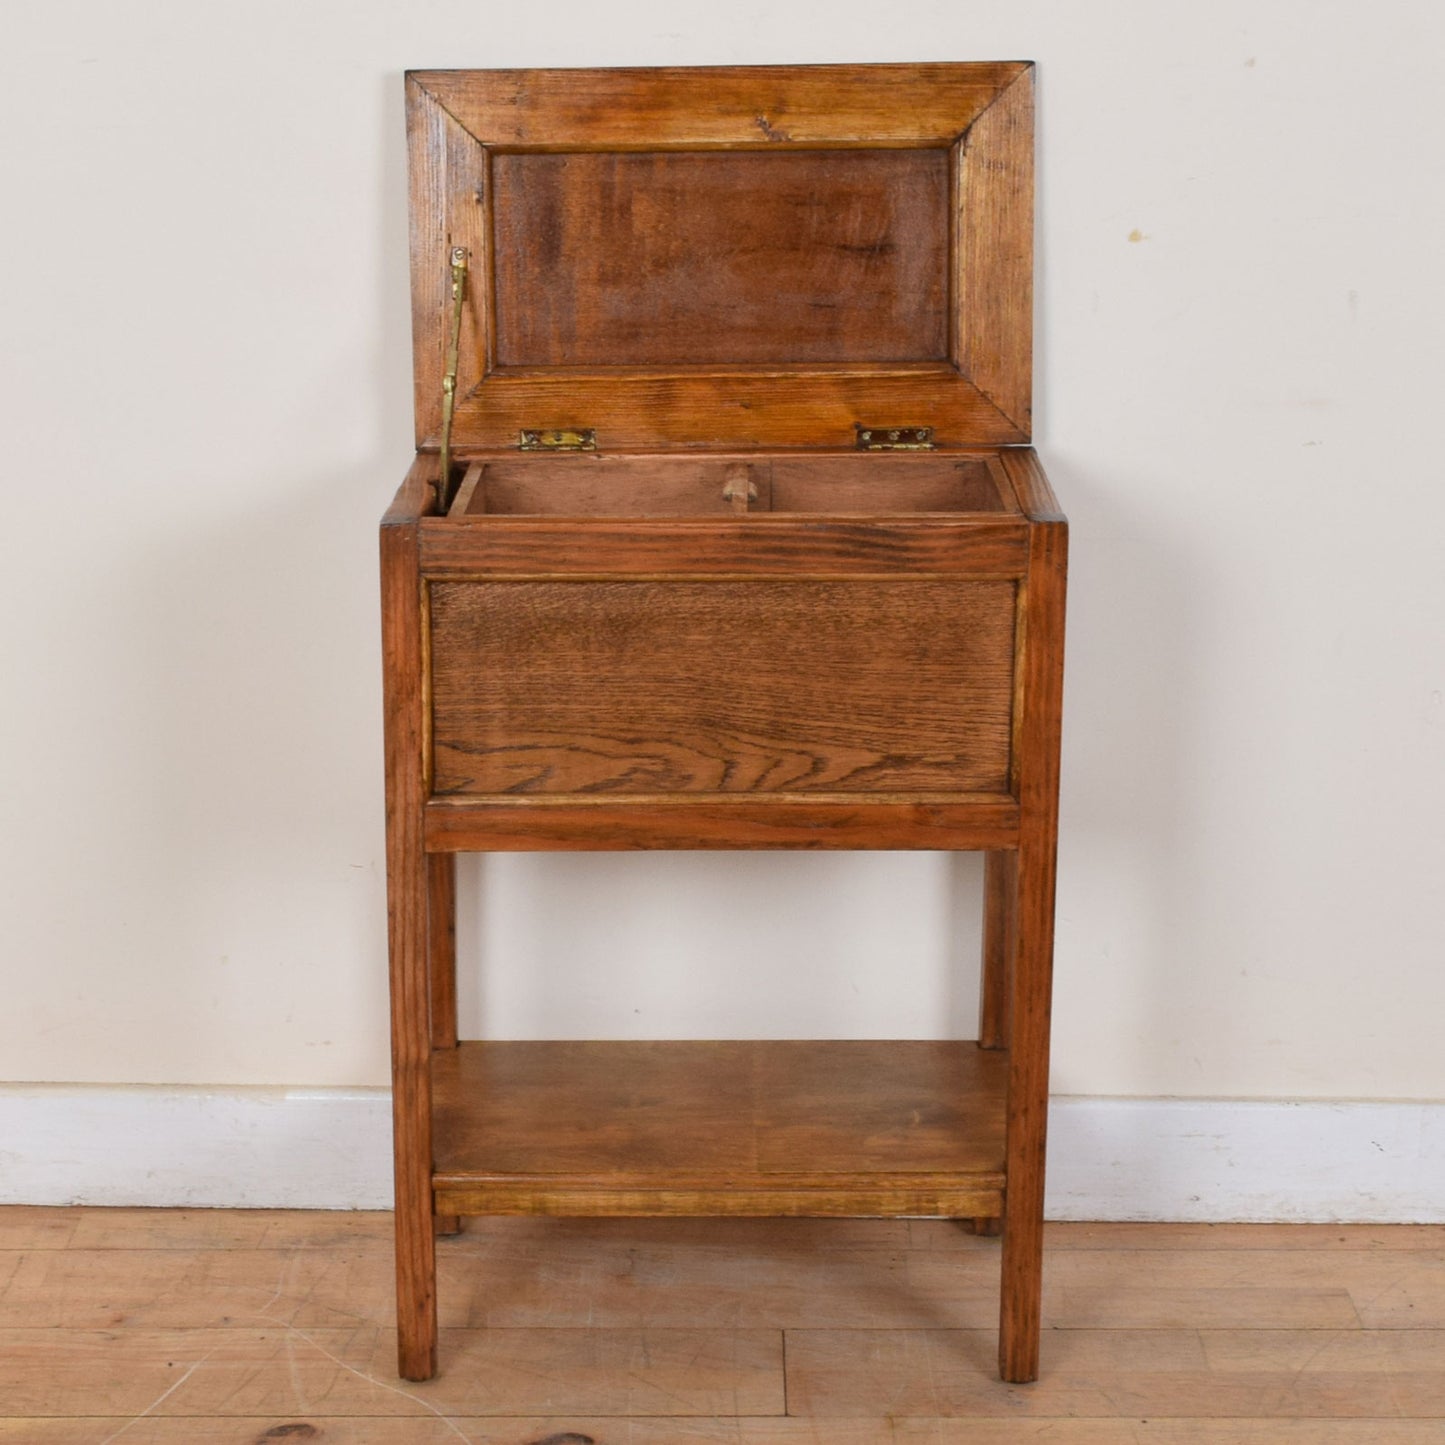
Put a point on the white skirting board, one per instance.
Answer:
(1149, 1159)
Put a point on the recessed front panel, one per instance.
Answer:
(731, 686)
(749, 257)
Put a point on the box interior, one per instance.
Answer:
(593, 485)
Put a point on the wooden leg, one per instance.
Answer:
(1000, 932)
(441, 882)
(1028, 1107)
(408, 905)
(1027, 1030)
(416, 1320)
(441, 879)
(984, 1228)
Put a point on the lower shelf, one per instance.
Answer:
(720, 1128)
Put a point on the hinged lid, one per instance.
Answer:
(770, 256)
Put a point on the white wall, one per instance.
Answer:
(204, 386)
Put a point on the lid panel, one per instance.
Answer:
(730, 257)
(606, 258)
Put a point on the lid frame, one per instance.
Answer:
(979, 396)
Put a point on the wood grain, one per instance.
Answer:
(466, 493)
(588, 485)
(591, 485)
(690, 108)
(654, 225)
(995, 252)
(453, 549)
(415, 498)
(1000, 940)
(695, 257)
(444, 161)
(676, 1430)
(408, 907)
(714, 409)
(934, 482)
(1030, 485)
(815, 1198)
(204, 1230)
(240, 1373)
(722, 687)
(30, 1227)
(1040, 712)
(529, 824)
(442, 948)
(1296, 1374)
(221, 1326)
(1362, 1239)
(735, 1128)
(778, 1272)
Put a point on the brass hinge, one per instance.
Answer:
(449, 379)
(894, 438)
(557, 439)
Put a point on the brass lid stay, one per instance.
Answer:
(449, 380)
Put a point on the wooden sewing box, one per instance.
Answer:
(723, 532)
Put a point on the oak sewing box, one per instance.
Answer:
(723, 532)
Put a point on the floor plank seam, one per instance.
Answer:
(786, 1408)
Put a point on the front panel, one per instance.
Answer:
(863, 686)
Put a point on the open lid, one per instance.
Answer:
(771, 256)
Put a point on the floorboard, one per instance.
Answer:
(244, 1327)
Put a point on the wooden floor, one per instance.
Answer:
(183, 1328)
